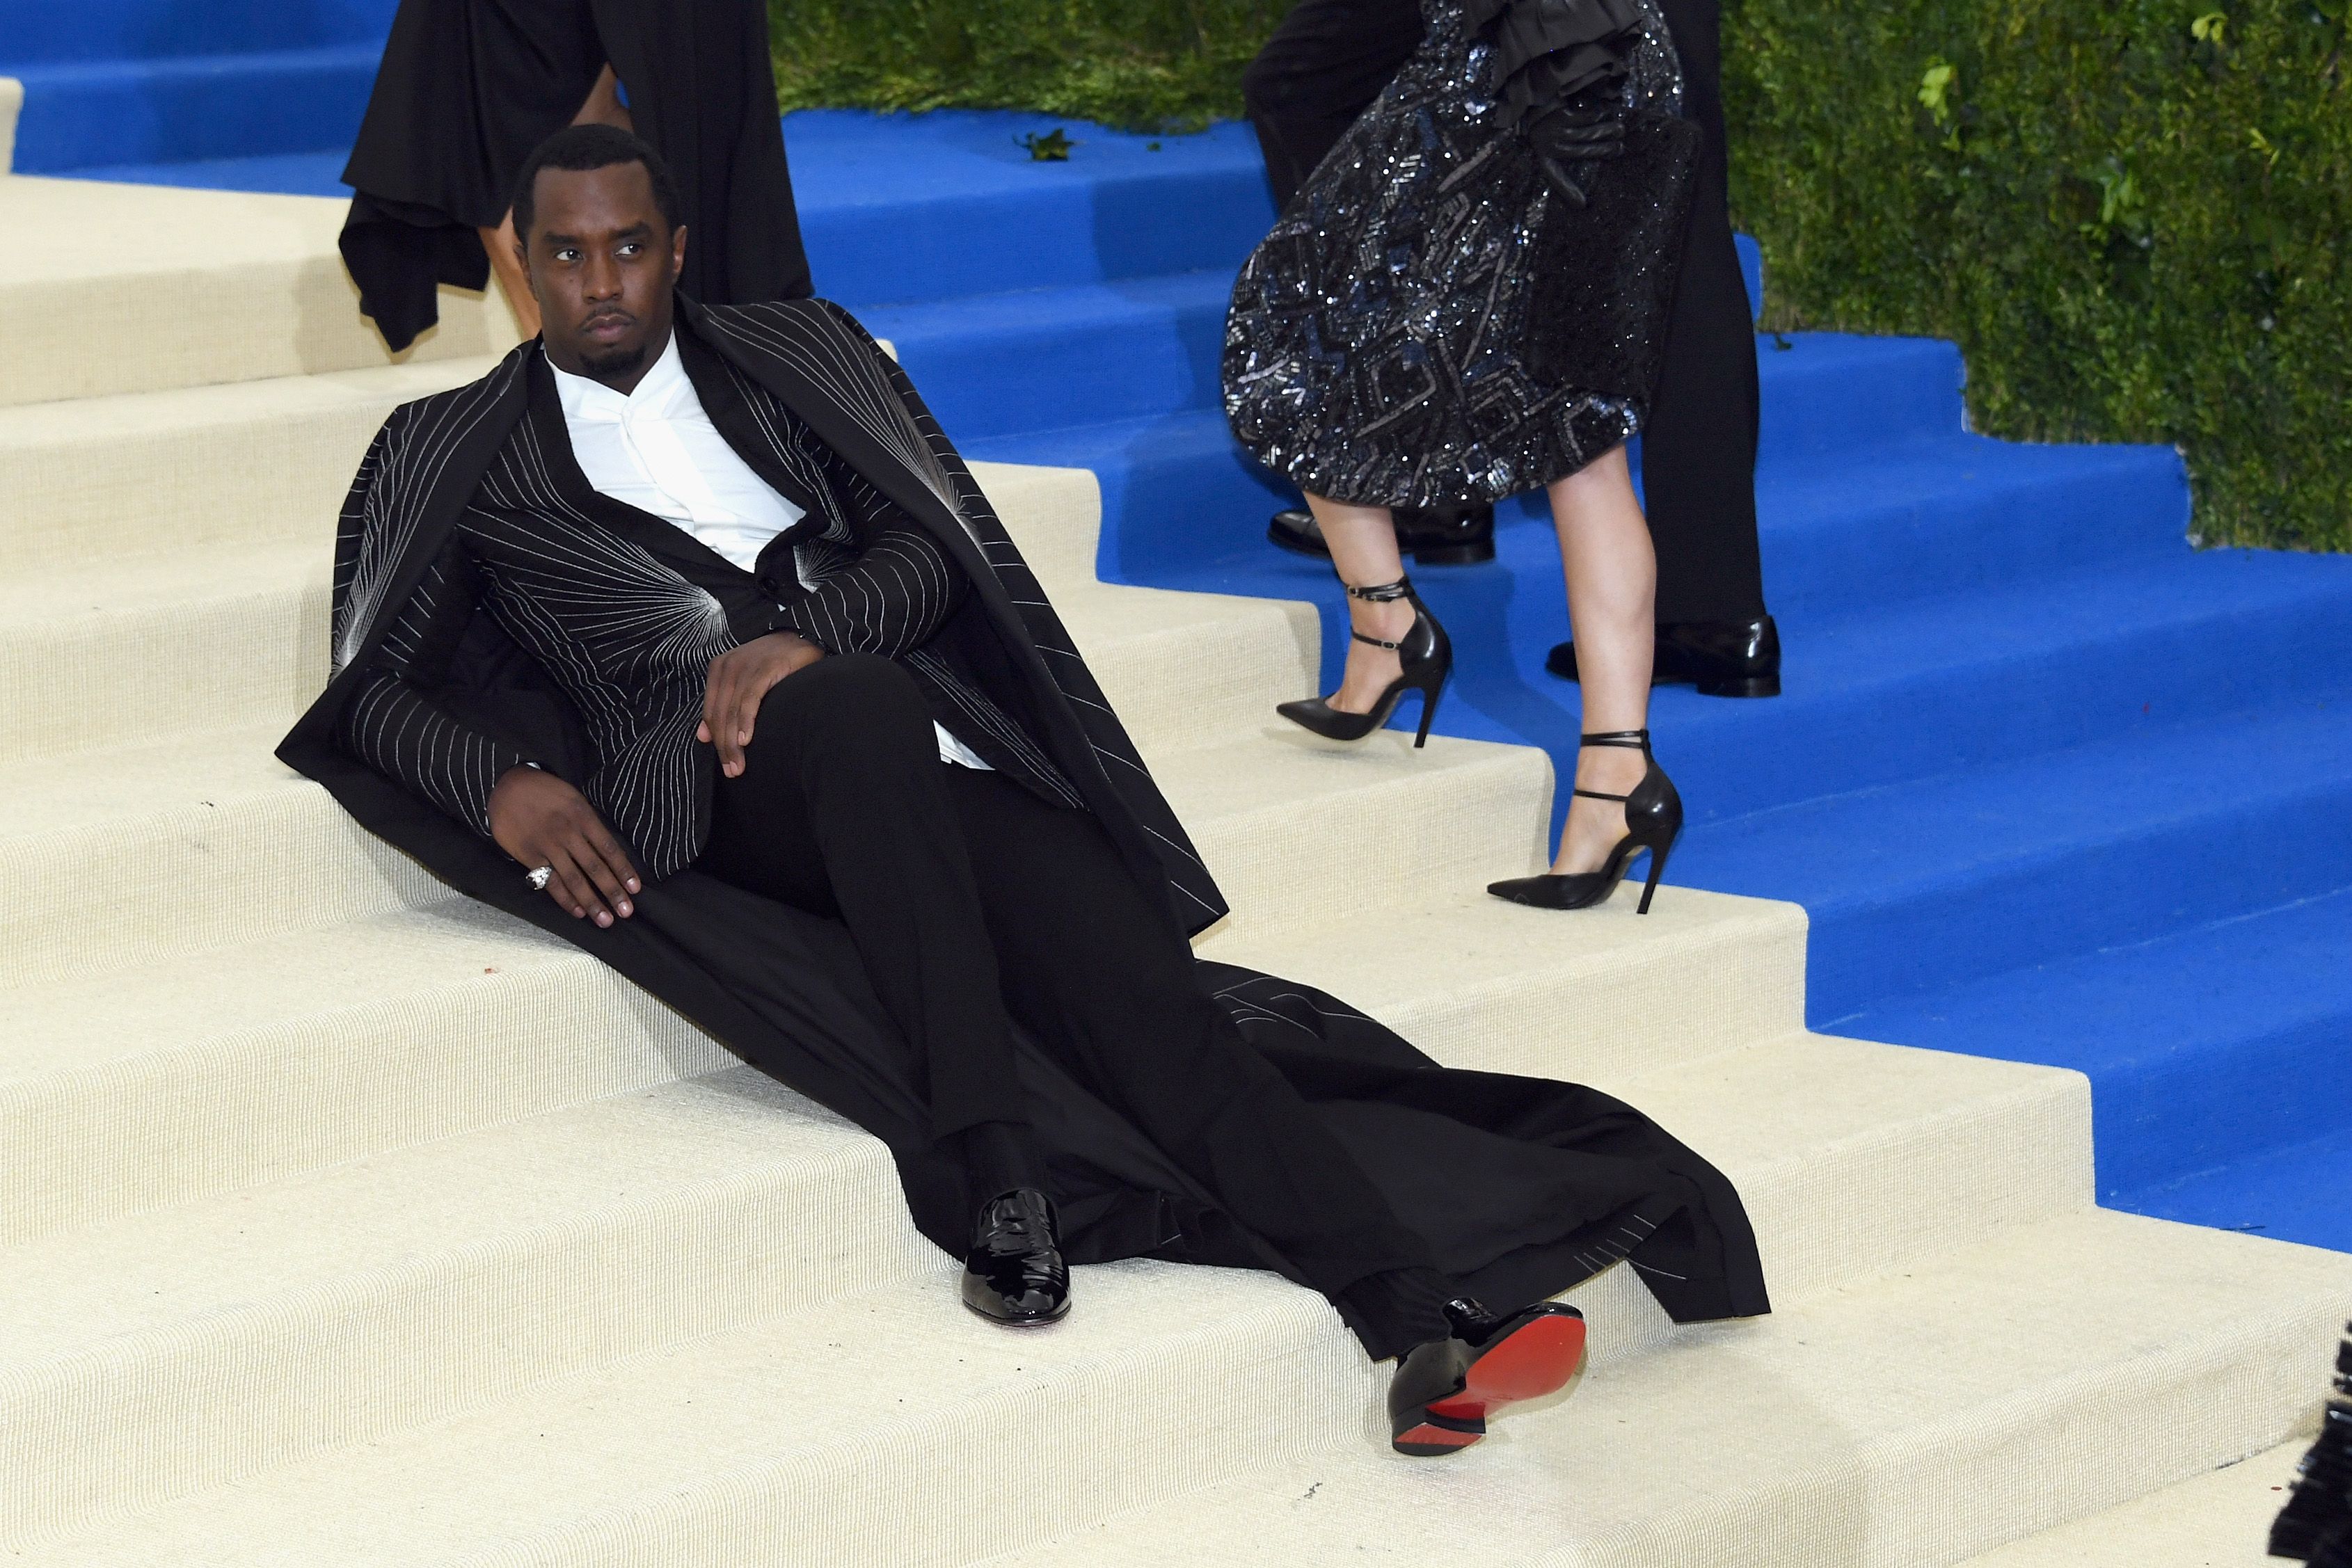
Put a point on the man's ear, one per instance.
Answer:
(677, 253)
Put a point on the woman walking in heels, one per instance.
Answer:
(1466, 300)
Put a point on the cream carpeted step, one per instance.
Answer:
(202, 1072)
(198, 637)
(12, 103)
(115, 857)
(161, 287)
(177, 643)
(198, 640)
(268, 462)
(146, 1356)
(246, 1063)
(1904, 1422)
(112, 856)
(2056, 1370)
(2218, 1520)
(256, 463)
(1298, 831)
(1606, 992)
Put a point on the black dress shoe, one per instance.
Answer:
(1722, 658)
(1454, 536)
(1445, 1389)
(1014, 1274)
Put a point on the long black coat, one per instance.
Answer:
(1523, 1187)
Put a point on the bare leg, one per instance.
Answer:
(603, 106)
(1364, 553)
(1612, 589)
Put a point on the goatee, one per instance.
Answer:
(612, 363)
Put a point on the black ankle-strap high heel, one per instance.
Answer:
(1426, 651)
(1654, 820)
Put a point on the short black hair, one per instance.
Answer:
(578, 148)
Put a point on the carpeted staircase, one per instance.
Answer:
(344, 1224)
(2051, 785)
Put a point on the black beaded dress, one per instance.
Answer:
(1432, 320)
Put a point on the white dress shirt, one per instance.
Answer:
(657, 450)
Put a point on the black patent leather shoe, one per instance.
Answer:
(1014, 1274)
(1721, 658)
(1445, 1390)
(1424, 658)
(1448, 536)
(1654, 821)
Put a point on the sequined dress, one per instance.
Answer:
(1429, 323)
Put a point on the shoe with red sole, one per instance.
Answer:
(1446, 1390)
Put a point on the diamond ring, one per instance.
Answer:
(538, 877)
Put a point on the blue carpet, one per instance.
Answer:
(2052, 786)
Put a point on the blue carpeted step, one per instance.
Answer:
(1885, 687)
(1899, 521)
(1916, 887)
(2294, 1193)
(1879, 696)
(270, 174)
(222, 106)
(1166, 479)
(927, 207)
(2204, 1046)
(935, 207)
(1027, 375)
(1830, 393)
(1043, 359)
(52, 31)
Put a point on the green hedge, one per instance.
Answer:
(1157, 65)
(2132, 214)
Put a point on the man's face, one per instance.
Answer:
(601, 264)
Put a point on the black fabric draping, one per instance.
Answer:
(1520, 1187)
(467, 88)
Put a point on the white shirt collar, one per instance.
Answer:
(657, 392)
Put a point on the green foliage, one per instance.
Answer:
(2133, 215)
(1147, 65)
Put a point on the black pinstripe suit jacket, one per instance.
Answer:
(492, 607)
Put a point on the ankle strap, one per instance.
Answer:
(1381, 593)
(1630, 739)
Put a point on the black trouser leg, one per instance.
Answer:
(1100, 972)
(842, 810)
(1698, 449)
(1325, 64)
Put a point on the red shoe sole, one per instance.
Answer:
(1427, 1439)
(1541, 1357)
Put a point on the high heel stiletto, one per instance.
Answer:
(1654, 820)
(1425, 652)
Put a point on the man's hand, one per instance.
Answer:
(740, 678)
(542, 821)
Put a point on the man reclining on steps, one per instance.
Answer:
(686, 635)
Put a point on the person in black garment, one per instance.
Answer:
(686, 635)
(1324, 66)
(467, 88)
